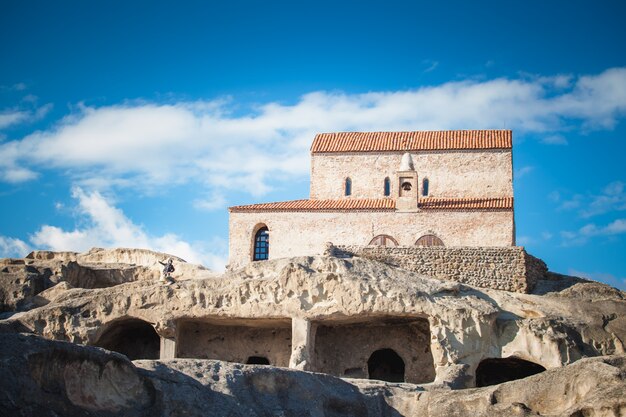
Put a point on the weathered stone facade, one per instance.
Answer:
(389, 188)
(505, 268)
(306, 233)
(476, 173)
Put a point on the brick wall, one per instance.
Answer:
(502, 268)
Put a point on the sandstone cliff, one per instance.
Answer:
(320, 314)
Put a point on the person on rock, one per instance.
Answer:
(168, 268)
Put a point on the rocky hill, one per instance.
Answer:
(361, 338)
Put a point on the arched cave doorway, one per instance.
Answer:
(386, 365)
(495, 371)
(134, 338)
(257, 360)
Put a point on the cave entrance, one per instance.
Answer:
(386, 365)
(241, 340)
(134, 338)
(257, 360)
(495, 371)
(348, 348)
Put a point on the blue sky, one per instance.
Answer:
(138, 123)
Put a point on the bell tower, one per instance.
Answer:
(407, 185)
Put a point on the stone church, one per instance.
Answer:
(424, 188)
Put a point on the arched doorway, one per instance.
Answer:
(495, 371)
(257, 360)
(383, 240)
(261, 244)
(386, 365)
(134, 338)
(429, 240)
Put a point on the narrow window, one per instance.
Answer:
(387, 187)
(425, 187)
(261, 245)
(348, 186)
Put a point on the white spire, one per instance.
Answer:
(407, 163)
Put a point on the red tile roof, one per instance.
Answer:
(346, 204)
(430, 203)
(379, 204)
(411, 141)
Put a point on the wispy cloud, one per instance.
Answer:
(554, 140)
(144, 145)
(430, 65)
(582, 235)
(14, 87)
(523, 171)
(104, 225)
(214, 202)
(618, 282)
(15, 116)
(612, 198)
(13, 248)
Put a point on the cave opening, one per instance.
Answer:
(134, 338)
(386, 365)
(257, 360)
(495, 371)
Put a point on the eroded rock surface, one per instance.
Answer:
(49, 378)
(22, 280)
(351, 318)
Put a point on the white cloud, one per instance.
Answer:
(612, 198)
(13, 248)
(524, 240)
(17, 174)
(12, 117)
(148, 145)
(582, 235)
(214, 202)
(430, 65)
(104, 225)
(554, 140)
(602, 277)
(523, 171)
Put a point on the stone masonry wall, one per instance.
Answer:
(453, 174)
(306, 233)
(502, 268)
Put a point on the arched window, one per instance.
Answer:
(261, 244)
(494, 371)
(348, 187)
(429, 240)
(383, 240)
(425, 187)
(386, 365)
(387, 187)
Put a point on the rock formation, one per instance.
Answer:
(346, 319)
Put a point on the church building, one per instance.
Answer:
(425, 188)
